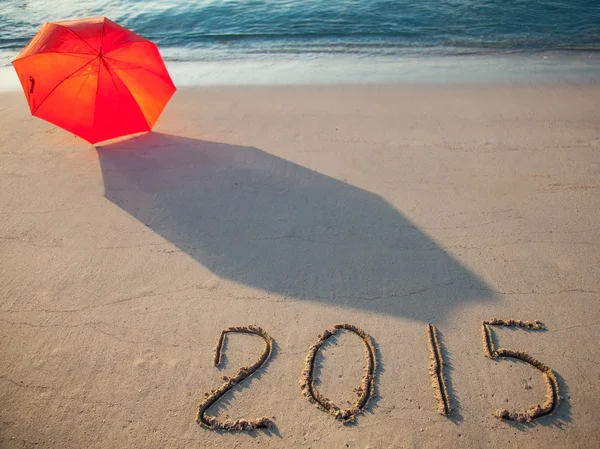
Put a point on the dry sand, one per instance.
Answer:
(297, 208)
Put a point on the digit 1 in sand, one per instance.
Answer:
(436, 371)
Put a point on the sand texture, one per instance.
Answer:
(293, 209)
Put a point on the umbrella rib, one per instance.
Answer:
(128, 45)
(68, 53)
(99, 68)
(79, 37)
(58, 84)
(102, 36)
(123, 47)
(166, 80)
(110, 72)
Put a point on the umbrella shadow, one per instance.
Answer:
(271, 224)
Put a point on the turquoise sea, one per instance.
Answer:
(353, 40)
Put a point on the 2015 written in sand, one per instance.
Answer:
(366, 389)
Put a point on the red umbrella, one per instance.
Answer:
(94, 78)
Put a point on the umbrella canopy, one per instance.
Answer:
(94, 78)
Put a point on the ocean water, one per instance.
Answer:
(365, 39)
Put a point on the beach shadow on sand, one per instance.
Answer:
(271, 224)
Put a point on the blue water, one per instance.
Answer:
(290, 30)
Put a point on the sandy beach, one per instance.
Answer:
(294, 209)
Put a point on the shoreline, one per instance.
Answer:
(511, 69)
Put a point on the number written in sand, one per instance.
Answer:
(230, 382)
(436, 371)
(364, 391)
(552, 393)
(366, 388)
